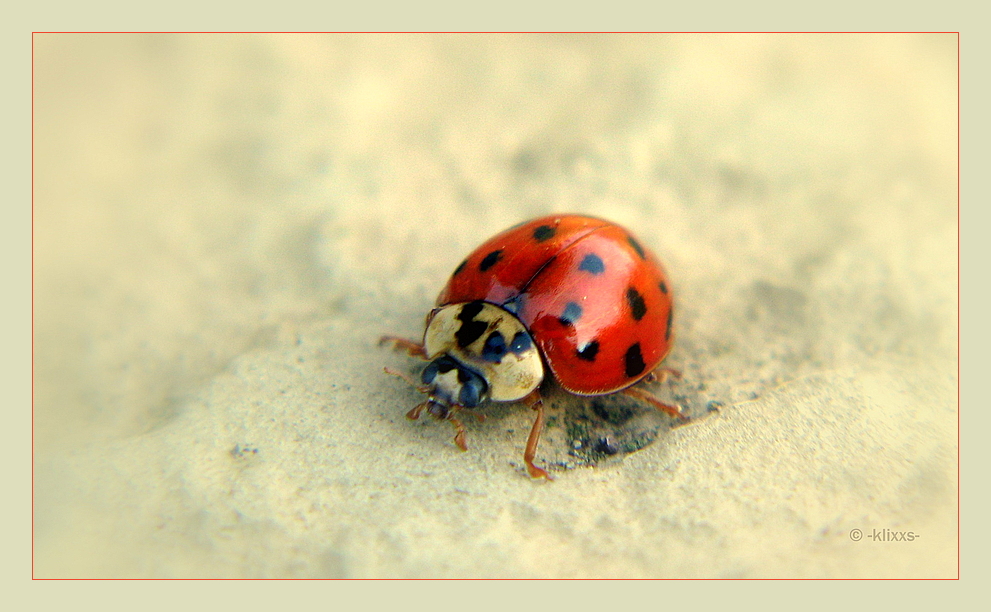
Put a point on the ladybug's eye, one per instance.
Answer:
(469, 396)
(471, 391)
(441, 365)
(429, 373)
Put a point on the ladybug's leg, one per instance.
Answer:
(414, 414)
(534, 402)
(414, 349)
(656, 403)
(661, 374)
(459, 431)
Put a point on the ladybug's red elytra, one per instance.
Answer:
(573, 298)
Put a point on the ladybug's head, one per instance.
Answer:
(480, 351)
(451, 383)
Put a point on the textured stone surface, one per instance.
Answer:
(224, 225)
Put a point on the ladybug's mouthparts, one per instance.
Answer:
(441, 410)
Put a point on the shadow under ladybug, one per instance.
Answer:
(607, 428)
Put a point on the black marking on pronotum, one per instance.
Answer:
(490, 260)
(633, 360)
(572, 312)
(637, 305)
(470, 329)
(592, 263)
(494, 348)
(589, 351)
(544, 232)
(521, 343)
(636, 247)
(460, 267)
(667, 333)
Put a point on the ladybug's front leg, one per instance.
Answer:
(459, 428)
(412, 348)
(534, 402)
(459, 433)
(414, 414)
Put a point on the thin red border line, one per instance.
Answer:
(958, 306)
(32, 308)
(508, 32)
(492, 579)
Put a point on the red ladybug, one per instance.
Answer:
(577, 296)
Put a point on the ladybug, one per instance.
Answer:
(568, 298)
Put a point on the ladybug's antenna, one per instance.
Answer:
(408, 379)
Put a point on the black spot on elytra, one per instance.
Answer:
(663, 287)
(636, 247)
(593, 264)
(667, 333)
(494, 348)
(637, 305)
(490, 260)
(470, 329)
(633, 360)
(572, 312)
(460, 267)
(544, 232)
(521, 342)
(589, 351)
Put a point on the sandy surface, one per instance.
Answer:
(224, 226)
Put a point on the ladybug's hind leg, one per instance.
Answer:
(414, 349)
(641, 395)
(534, 402)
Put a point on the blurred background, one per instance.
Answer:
(225, 224)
